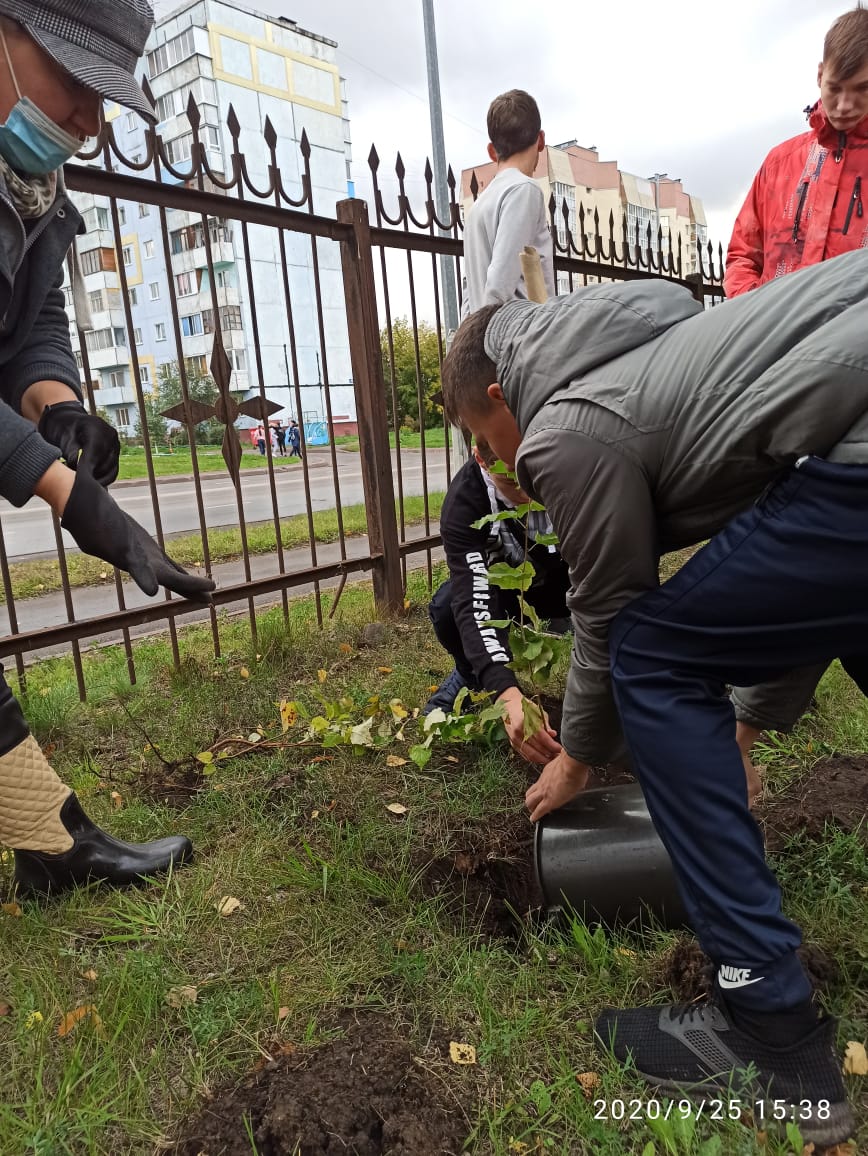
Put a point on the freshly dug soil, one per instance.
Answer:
(489, 881)
(835, 791)
(688, 971)
(174, 784)
(364, 1094)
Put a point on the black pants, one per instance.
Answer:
(13, 728)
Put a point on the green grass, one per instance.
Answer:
(410, 440)
(42, 575)
(208, 458)
(333, 915)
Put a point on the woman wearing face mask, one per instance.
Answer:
(59, 59)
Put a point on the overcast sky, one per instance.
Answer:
(700, 91)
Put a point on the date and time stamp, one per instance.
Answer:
(731, 1108)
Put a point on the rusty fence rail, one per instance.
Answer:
(345, 287)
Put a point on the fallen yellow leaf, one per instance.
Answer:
(384, 669)
(855, 1059)
(462, 1053)
(228, 905)
(244, 672)
(73, 1018)
(90, 974)
(406, 603)
(182, 996)
(33, 1019)
(395, 761)
(117, 800)
(434, 686)
(282, 1013)
(625, 951)
(288, 714)
(314, 814)
(396, 808)
(13, 909)
(587, 1081)
(452, 759)
(322, 675)
(345, 648)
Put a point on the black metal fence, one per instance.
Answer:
(386, 258)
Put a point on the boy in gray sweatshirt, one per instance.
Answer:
(510, 212)
(644, 424)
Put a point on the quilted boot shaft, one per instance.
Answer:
(31, 796)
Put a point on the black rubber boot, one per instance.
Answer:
(95, 856)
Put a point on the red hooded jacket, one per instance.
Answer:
(805, 205)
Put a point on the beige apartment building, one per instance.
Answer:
(576, 177)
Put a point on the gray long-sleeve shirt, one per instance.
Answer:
(509, 214)
(648, 423)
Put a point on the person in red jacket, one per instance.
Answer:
(805, 206)
(807, 202)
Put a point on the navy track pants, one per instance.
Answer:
(784, 584)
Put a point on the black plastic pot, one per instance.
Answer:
(601, 856)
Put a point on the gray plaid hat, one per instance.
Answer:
(99, 42)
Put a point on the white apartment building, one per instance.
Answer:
(223, 55)
(576, 176)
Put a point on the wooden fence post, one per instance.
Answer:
(376, 460)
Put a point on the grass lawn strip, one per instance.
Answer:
(336, 927)
(31, 579)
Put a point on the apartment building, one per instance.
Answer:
(577, 178)
(224, 54)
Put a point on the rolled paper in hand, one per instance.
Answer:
(531, 270)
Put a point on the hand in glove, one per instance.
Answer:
(100, 527)
(74, 431)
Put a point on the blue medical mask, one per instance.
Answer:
(29, 140)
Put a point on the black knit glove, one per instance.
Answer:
(74, 431)
(100, 527)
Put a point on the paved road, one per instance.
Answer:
(28, 531)
(92, 601)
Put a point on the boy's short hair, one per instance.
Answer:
(513, 123)
(468, 371)
(845, 49)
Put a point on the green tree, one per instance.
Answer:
(168, 393)
(407, 379)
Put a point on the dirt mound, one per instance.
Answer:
(688, 971)
(834, 791)
(361, 1095)
(490, 879)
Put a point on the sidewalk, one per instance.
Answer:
(94, 601)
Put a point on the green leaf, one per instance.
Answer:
(497, 710)
(498, 623)
(546, 539)
(459, 699)
(534, 648)
(500, 516)
(533, 718)
(795, 1138)
(420, 754)
(511, 577)
(205, 757)
(502, 469)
